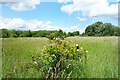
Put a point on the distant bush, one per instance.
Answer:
(14, 35)
(55, 35)
(97, 35)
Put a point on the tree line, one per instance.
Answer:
(41, 33)
(96, 29)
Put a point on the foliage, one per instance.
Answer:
(41, 33)
(100, 29)
(14, 35)
(55, 35)
(76, 33)
(57, 52)
(5, 33)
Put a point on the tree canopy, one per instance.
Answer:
(102, 29)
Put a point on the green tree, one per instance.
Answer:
(70, 34)
(60, 32)
(76, 33)
(100, 29)
(27, 34)
(5, 33)
(14, 35)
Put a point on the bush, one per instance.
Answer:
(55, 35)
(14, 35)
(56, 52)
(97, 35)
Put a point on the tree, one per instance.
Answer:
(60, 32)
(41, 34)
(27, 34)
(64, 33)
(70, 34)
(106, 29)
(76, 33)
(14, 35)
(5, 33)
(18, 33)
(90, 30)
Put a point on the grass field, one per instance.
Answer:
(102, 57)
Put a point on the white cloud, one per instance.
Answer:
(95, 19)
(81, 19)
(22, 5)
(91, 8)
(64, 1)
(20, 24)
(75, 28)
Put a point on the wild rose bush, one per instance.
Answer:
(58, 49)
(56, 52)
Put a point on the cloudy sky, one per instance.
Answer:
(68, 15)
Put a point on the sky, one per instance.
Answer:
(68, 15)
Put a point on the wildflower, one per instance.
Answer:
(67, 41)
(53, 43)
(86, 51)
(57, 38)
(42, 49)
(53, 38)
(71, 41)
(44, 46)
(60, 40)
(50, 44)
(81, 48)
(77, 49)
(76, 44)
(35, 62)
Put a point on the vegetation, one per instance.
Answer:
(100, 29)
(49, 34)
(96, 29)
(101, 61)
(55, 54)
(58, 55)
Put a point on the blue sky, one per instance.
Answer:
(55, 15)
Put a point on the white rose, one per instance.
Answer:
(35, 62)
(76, 44)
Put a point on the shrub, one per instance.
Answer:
(97, 35)
(14, 35)
(55, 35)
(56, 52)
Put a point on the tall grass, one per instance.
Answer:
(102, 57)
(0, 59)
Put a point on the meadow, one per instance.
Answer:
(102, 57)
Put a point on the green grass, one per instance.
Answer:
(102, 57)
(0, 59)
